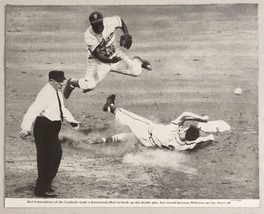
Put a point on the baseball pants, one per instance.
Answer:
(96, 71)
(138, 125)
(49, 152)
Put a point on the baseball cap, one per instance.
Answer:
(57, 75)
(192, 133)
(95, 17)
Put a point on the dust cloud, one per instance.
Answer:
(129, 150)
(159, 158)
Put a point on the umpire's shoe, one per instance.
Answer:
(48, 194)
(144, 63)
(68, 89)
(110, 100)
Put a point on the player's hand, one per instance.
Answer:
(75, 125)
(115, 59)
(24, 133)
(210, 137)
(205, 118)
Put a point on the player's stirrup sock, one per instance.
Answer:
(112, 139)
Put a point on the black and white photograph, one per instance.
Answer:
(132, 105)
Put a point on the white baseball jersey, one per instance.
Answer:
(151, 134)
(168, 135)
(97, 70)
(107, 39)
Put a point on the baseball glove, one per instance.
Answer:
(126, 41)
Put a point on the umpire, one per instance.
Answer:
(48, 111)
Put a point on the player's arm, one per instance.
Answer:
(101, 55)
(124, 27)
(195, 117)
(191, 116)
(204, 139)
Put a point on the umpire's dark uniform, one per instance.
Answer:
(47, 111)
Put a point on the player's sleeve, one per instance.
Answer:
(186, 147)
(90, 40)
(114, 22)
(203, 139)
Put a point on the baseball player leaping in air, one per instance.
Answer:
(172, 136)
(104, 55)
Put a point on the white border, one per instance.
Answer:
(126, 2)
(35, 202)
(227, 203)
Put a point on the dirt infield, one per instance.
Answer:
(199, 54)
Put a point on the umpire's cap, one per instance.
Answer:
(57, 75)
(95, 17)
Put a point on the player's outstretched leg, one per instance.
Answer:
(110, 104)
(122, 137)
(144, 63)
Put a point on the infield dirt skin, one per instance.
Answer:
(199, 55)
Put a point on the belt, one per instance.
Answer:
(43, 117)
(151, 140)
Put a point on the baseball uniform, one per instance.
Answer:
(97, 70)
(154, 135)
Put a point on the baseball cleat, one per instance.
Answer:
(144, 63)
(98, 141)
(103, 140)
(110, 100)
(68, 89)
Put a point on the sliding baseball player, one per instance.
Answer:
(172, 136)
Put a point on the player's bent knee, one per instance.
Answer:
(136, 72)
(87, 85)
